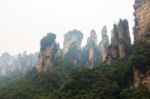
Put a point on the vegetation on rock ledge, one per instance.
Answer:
(77, 82)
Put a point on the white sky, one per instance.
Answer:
(24, 22)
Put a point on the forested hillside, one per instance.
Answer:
(66, 81)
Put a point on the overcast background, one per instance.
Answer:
(24, 22)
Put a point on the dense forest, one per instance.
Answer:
(66, 81)
(113, 68)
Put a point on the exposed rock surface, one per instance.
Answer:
(142, 20)
(91, 50)
(16, 64)
(48, 53)
(120, 40)
(5, 61)
(114, 42)
(124, 38)
(72, 46)
(141, 79)
(104, 46)
(142, 34)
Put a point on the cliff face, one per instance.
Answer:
(120, 40)
(5, 61)
(24, 62)
(91, 50)
(89, 55)
(115, 42)
(16, 64)
(48, 53)
(142, 20)
(142, 34)
(104, 46)
(124, 38)
(141, 79)
(72, 46)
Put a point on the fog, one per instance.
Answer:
(24, 22)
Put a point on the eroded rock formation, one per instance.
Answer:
(142, 20)
(91, 50)
(20, 63)
(104, 46)
(48, 53)
(120, 40)
(140, 78)
(142, 34)
(114, 42)
(5, 61)
(72, 46)
(124, 38)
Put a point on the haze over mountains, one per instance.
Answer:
(112, 68)
(91, 54)
(24, 23)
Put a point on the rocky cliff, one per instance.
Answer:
(5, 61)
(72, 46)
(115, 42)
(142, 20)
(140, 62)
(91, 52)
(20, 63)
(104, 46)
(141, 74)
(140, 78)
(120, 40)
(124, 38)
(48, 53)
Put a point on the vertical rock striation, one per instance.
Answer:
(104, 46)
(48, 53)
(142, 34)
(114, 46)
(72, 46)
(17, 64)
(120, 40)
(140, 78)
(142, 20)
(91, 49)
(124, 38)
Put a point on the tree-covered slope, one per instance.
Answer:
(66, 81)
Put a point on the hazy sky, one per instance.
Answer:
(24, 22)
